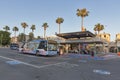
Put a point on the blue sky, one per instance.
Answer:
(106, 12)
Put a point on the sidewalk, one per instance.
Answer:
(84, 56)
(102, 56)
(106, 54)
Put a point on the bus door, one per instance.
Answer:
(42, 47)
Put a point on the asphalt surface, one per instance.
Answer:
(16, 66)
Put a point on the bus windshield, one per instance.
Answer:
(43, 45)
(52, 45)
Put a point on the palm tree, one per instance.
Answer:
(15, 29)
(6, 28)
(45, 25)
(24, 25)
(33, 28)
(59, 21)
(31, 36)
(98, 27)
(21, 37)
(83, 13)
(38, 37)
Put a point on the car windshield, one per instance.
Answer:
(16, 45)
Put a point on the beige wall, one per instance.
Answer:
(118, 36)
(14, 40)
(105, 36)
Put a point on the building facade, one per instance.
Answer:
(105, 36)
(118, 36)
(14, 40)
(118, 42)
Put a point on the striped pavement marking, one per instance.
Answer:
(31, 65)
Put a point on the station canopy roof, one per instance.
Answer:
(80, 34)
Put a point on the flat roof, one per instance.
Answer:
(79, 34)
(91, 42)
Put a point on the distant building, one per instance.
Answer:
(118, 42)
(27, 38)
(55, 38)
(105, 36)
(14, 40)
(115, 46)
(112, 47)
(118, 37)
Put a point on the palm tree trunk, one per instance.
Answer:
(15, 33)
(82, 28)
(33, 34)
(15, 36)
(99, 33)
(45, 34)
(59, 28)
(24, 34)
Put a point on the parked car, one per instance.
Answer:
(14, 46)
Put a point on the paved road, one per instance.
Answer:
(15, 66)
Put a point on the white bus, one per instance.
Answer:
(40, 47)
